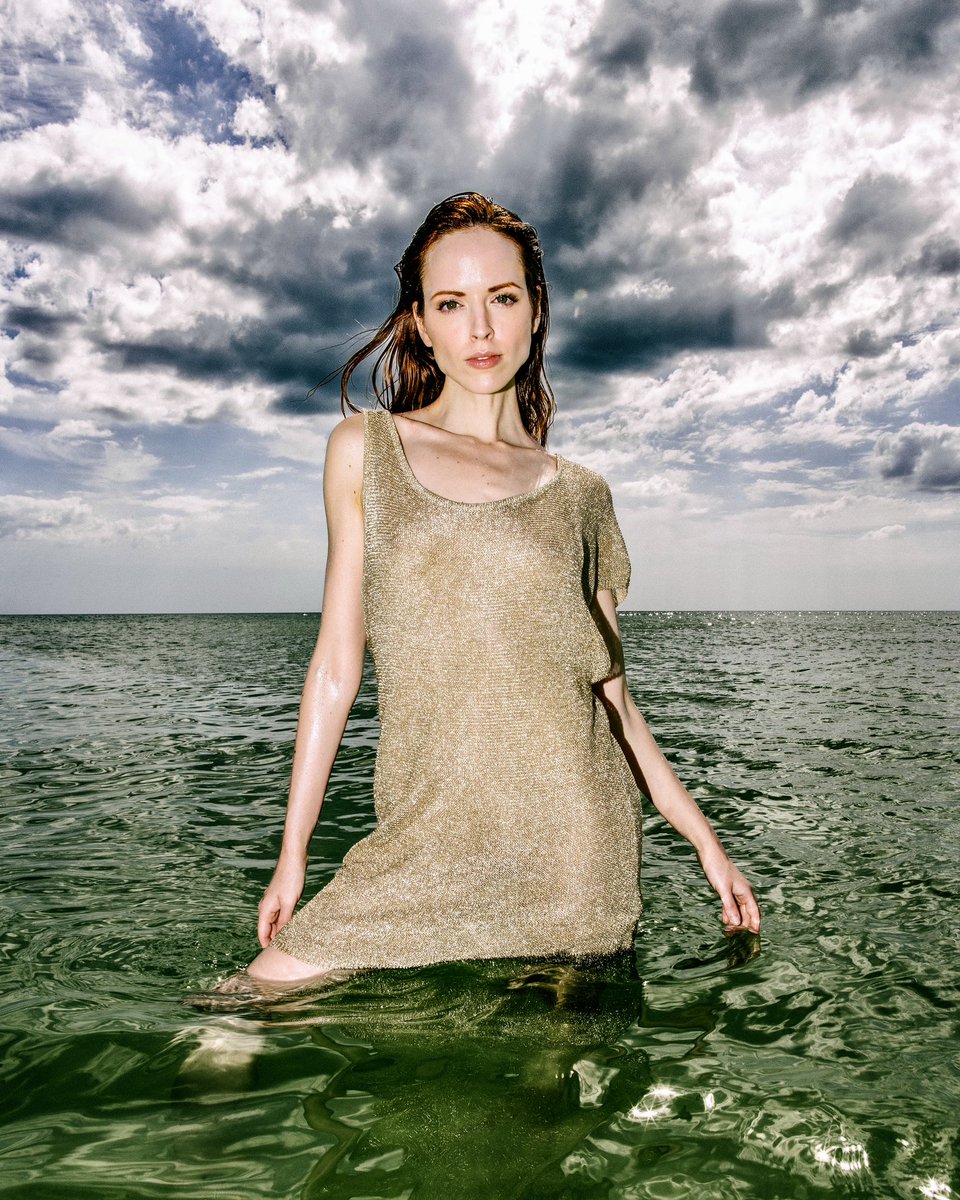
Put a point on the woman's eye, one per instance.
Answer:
(505, 298)
(447, 305)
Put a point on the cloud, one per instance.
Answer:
(940, 255)
(253, 120)
(926, 455)
(27, 382)
(884, 533)
(656, 486)
(784, 50)
(824, 509)
(204, 507)
(81, 449)
(623, 332)
(73, 429)
(865, 344)
(53, 53)
(620, 43)
(32, 319)
(56, 53)
(200, 86)
(81, 215)
(275, 304)
(878, 214)
(75, 518)
(748, 210)
(261, 473)
(38, 516)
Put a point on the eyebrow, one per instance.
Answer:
(498, 288)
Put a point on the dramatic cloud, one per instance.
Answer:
(782, 48)
(750, 219)
(926, 455)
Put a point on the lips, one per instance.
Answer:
(483, 362)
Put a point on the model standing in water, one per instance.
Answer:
(483, 574)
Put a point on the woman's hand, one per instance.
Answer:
(740, 909)
(280, 899)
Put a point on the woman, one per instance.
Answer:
(483, 573)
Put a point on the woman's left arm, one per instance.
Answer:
(660, 784)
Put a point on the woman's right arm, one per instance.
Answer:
(333, 677)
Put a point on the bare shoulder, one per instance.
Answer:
(346, 438)
(343, 468)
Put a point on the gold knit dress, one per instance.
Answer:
(508, 818)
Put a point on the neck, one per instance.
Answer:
(488, 418)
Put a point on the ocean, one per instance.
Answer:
(143, 767)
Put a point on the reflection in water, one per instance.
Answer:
(847, 1156)
(468, 1080)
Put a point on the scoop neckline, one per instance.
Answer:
(516, 498)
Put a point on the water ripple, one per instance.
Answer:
(144, 764)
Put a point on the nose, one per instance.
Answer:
(481, 328)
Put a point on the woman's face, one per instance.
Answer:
(477, 314)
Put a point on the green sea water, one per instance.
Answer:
(143, 773)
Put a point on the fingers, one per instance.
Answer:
(730, 916)
(274, 913)
(740, 910)
(750, 911)
(266, 929)
(268, 920)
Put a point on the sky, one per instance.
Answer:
(749, 214)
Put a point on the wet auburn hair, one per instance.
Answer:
(405, 375)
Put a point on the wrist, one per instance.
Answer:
(292, 855)
(709, 848)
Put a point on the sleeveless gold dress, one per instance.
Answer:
(508, 818)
